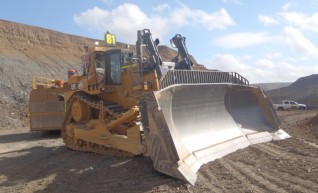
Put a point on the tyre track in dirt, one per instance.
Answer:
(292, 181)
(48, 166)
(281, 166)
(216, 178)
(253, 176)
(286, 153)
(271, 181)
(126, 175)
(265, 177)
(206, 177)
(248, 183)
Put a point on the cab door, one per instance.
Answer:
(293, 105)
(287, 105)
(113, 67)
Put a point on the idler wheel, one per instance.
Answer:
(80, 111)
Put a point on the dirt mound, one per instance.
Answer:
(314, 121)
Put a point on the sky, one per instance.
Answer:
(263, 40)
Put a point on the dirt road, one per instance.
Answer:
(38, 162)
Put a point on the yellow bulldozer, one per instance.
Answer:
(127, 104)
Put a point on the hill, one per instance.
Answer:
(272, 86)
(304, 90)
(26, 51)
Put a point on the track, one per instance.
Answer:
(80, 145)
(36, 162)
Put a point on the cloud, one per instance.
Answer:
(294, 38)
(217, 20)
(226, 62)
(161, 7)
(274, 55)
(267, 20)
(240, 40)
(262, 70)
(127, 18)
(230, 63)
(296, 23)
(267, 70)
(301, 20)
(108, 1)
(184, 16)
(232, 1)
(291, 18)
(286, 6)
(124, 20)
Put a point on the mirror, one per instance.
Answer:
(156, 42)
(172, 43)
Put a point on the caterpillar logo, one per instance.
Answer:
(77, 86)
(74, 86)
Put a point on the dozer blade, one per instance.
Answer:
(186, 126)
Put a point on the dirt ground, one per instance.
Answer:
(39, 162)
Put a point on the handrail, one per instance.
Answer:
(199, 76)
(41, 81)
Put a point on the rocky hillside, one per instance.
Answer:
(26, 51)
(304, 90)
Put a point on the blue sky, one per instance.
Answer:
(265, 41)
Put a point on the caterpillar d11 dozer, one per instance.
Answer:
(125, 105)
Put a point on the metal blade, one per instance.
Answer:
(189, 125)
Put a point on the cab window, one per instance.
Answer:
(100, 64)
(108, 69)
(114, 68)
(127, 56)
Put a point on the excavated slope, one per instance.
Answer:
(27, 51)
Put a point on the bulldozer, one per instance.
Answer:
(127, 104)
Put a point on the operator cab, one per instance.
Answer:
(108, 65)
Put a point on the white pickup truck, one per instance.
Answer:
(289, 105)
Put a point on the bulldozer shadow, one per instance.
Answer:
(57, 169)
(29, 136)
